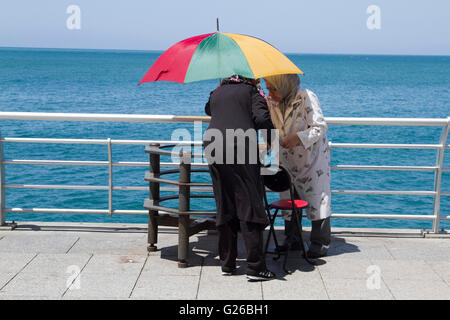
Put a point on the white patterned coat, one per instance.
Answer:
(309, 162)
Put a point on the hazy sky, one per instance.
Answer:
(319, 26)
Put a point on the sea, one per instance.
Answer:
(106, 81)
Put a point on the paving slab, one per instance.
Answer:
(236, 287)
(424, 249)
(37, 242)
(114, 264)
(358, 248)
(418, 289)
(110, 243)
(106, 286)
(22, 297)
(356, 289)
(39, 285)
(303, 283)
(161, 287)
(168, 265)
(345, 269)
(406, 270)
(59, 264)
(5, 278)
(442, 268)
(14, 262)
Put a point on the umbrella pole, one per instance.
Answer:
(217, 24)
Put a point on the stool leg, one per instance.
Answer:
(275, 240)
(285, 261)
(271, 220)
(298, 217)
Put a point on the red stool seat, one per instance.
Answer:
(286, 204)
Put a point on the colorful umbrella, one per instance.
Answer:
(219, 55)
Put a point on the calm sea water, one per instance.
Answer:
(91, 81)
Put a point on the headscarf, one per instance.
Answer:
(241, 79)
(287, 86)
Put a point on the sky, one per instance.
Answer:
(294, 26)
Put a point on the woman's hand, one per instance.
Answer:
(291, 141)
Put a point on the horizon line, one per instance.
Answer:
(286, 53)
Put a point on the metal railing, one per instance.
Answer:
(438, 168)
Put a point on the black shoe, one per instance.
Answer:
(261, 276)
(228, 271)
(317, 250)
(315, 255)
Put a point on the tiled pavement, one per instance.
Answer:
(109, 261)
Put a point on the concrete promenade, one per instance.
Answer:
(42, 260)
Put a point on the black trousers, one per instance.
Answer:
(253, 238)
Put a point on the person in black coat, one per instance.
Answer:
(238, 110)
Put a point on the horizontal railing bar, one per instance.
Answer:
(56, 140)
(98, 141)
(145, 212)
(57, 162)
(74, 211)
(130, 188)
(202, 189)
(188, 119)
(55, 187)
(130, 164)
(60, 210)
(382, 216)
(387, 168)
(383, 146)
(199, 143)
(100, 117)
(196, 189)
(385, 192)
(434, 122)
(74, 187)
(87, 163)
(84, 187)
(168, 164)
(162, 142)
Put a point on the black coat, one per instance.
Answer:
(237, 187)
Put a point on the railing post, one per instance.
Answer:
(110, 178)
(3, 224)
(438, 176)
(155, 161)
(2, 185)
(184, 205)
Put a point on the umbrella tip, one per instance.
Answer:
(217, 23)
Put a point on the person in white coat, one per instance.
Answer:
(304, 151)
